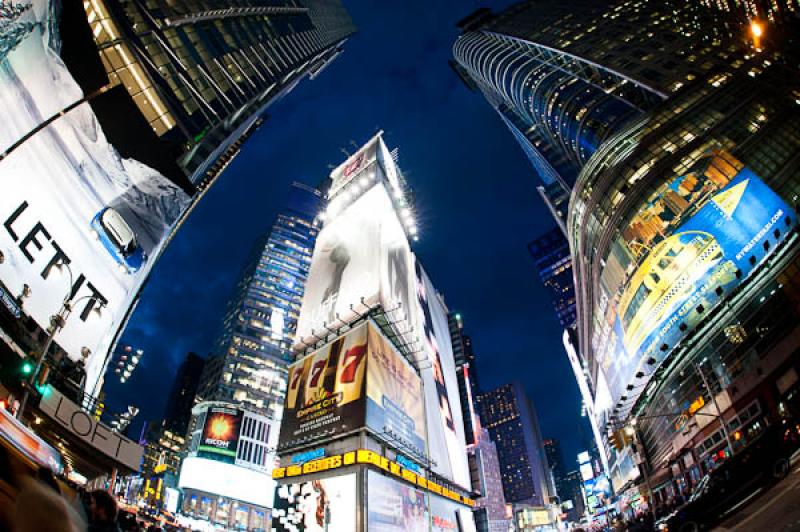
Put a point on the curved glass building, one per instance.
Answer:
(683, 229)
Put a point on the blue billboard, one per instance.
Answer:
(696, 238)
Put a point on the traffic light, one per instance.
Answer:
(615, 438)
(27, 367)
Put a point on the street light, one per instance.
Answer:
(57, 322)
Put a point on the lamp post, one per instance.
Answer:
(57, 322)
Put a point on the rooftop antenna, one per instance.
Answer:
(353, 144)
(346, 154)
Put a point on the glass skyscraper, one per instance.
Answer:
(565, 77)
(250, 360)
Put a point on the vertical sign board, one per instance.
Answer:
(98, 435)
(69, 197)
(445, 423)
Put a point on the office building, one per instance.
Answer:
(553, 262)
(564, 77)
(225, 476)
(511, 420)
(466, 372)
(557, 467)
(181, 397)
(685, 232)
(249, 361)
(372, 430)
(484, 465)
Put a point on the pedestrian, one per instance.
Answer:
(39, 506)
(102, 512)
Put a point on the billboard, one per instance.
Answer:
(325, 395)
(393, 394)
(323, 505)
(446, 443)
(227, 480)
(696, 237)
(69, 197)
(221, 432)
(362, 257)
(394, 506)
(447, 516)
(359, 380)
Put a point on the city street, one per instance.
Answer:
(776, 508)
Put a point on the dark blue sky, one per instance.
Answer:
(475, 194)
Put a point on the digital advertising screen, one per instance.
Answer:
(221, 432)
(325, 394)
(393, 394)
(697, 237)
(394, 506)
(68, 197)
(325, 505)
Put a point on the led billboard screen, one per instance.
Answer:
(394, 506)
(69, 197)
(227, 480)
(698, 236)
(394, 389)
(324, 505)
(221, 432)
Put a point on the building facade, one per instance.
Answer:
(694, 297)
(484, 463)
(565, 77)
(251, 356)
(372, 434)
(511, 420)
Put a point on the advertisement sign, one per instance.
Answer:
(394, 389)
(394, 506)
(227, 480)
(446, 443)
(221, 432)
(697, 237)
(90, 430)
(324, 505)
(349, 170)
(68, 197)
(325, 394)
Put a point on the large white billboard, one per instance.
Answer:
(445, 423)
(323, 505)
(361, 258)
(227, 480)
(68, 196)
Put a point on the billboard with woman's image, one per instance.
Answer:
(324, 505)
(698, 236)
(68, 197)
(394, 506)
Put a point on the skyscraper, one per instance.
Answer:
(565, 76)
(484, 465)
(691, 303)
(202, 73)
(466, 372)
(553, 262)
(511, 420)
(181, 397)
(249, 361)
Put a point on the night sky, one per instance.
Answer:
(476, 199)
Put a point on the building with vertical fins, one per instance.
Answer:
(202, 74)
(249, 361)
(509, 416)
(565, 77)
